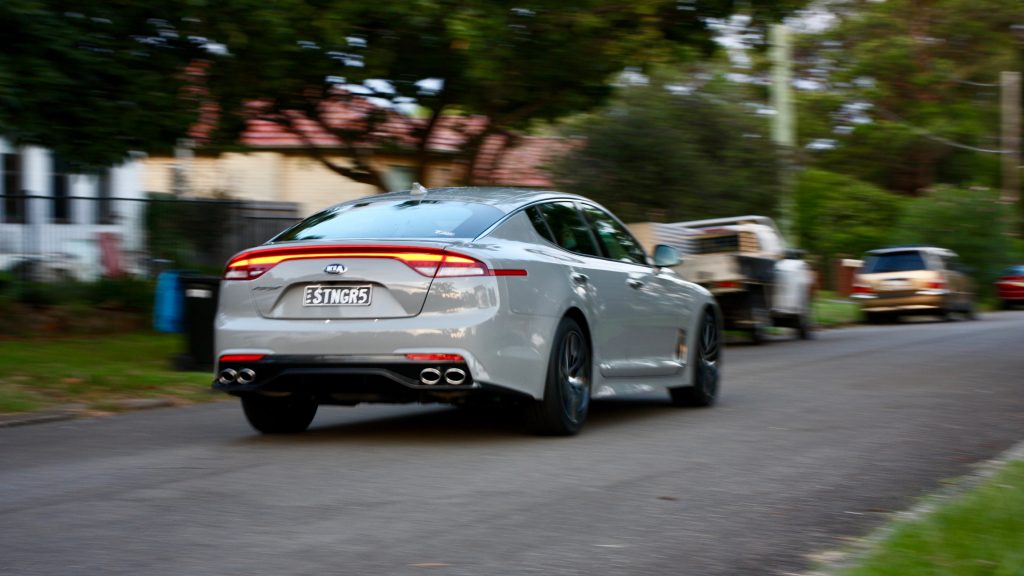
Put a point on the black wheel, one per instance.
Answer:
(805, 324)
(567, 388)
(707, 359)
(968, 312)
(762, 319)
(279, 414)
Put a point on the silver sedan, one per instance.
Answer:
(539, 301)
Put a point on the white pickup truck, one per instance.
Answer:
(745, 263)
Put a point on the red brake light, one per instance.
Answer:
(727, 284)
(242, 357)
(936, 284)
(861, 287)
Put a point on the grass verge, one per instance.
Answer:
(95, 371)
(830, 310)
(979, 533)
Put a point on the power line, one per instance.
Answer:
(935, 137)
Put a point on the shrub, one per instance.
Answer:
(969, 221)
(839, 216)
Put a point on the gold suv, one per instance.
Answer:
(913, 280)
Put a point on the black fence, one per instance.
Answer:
(47, 238)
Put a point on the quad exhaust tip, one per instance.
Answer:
(229, 376)
(454, 376)
(430, 376)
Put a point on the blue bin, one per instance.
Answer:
(169, 308)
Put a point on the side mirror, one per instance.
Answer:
(666, 256)
(795, 253)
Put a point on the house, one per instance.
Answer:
(277, 164)
(65, 224)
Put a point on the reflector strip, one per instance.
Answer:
(436, 357)
(510, 272)
(242, 357)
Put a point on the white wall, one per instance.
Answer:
(73, 245)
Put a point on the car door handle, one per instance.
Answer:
(579, 278)
(634, 283)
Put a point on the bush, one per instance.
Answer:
(970, 222)
(655, 154)
(128, 294)
(840, 216)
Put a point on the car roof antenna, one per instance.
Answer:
(417, 189)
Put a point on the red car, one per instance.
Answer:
(1010, 286)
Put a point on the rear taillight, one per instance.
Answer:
(936, 284)
(426, 261)
(861, 287)
(728, 285)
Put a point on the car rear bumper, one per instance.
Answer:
(924, 301)
(504, 351)
(353, 379)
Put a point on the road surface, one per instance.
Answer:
(812, 442)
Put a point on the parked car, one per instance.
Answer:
(538, 300)
(913, 280)
(1010, 287)
(758, 281)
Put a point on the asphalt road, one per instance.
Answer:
(812, 442)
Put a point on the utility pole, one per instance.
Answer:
(784, 124)
(1010, 113)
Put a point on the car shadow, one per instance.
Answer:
(430, 425)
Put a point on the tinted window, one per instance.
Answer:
(568, 228)
(894, 262)
(395, 219)
(539, 224)
(617, 242)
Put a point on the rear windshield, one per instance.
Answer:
(395, 219)
(894, 262)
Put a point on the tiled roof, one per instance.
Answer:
(503, 160)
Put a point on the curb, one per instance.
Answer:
(73, 411)
(832, 561)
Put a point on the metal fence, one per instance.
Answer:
(85, 238)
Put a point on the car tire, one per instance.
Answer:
(762, 320)
(969, 313)
(279, 414)
(707, 366)
(805, 324)
(567, 386)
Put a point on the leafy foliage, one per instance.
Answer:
(969, 221)
(840, 216)
(658, 155)
(103, 78)
(96, 80)
(912, 89)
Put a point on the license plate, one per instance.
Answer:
(895, 285)
(337, 295)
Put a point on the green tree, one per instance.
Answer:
(94, 80)
(916, 84)
(840, 216)
(970, 221)
(659, 154)
(104, 78)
